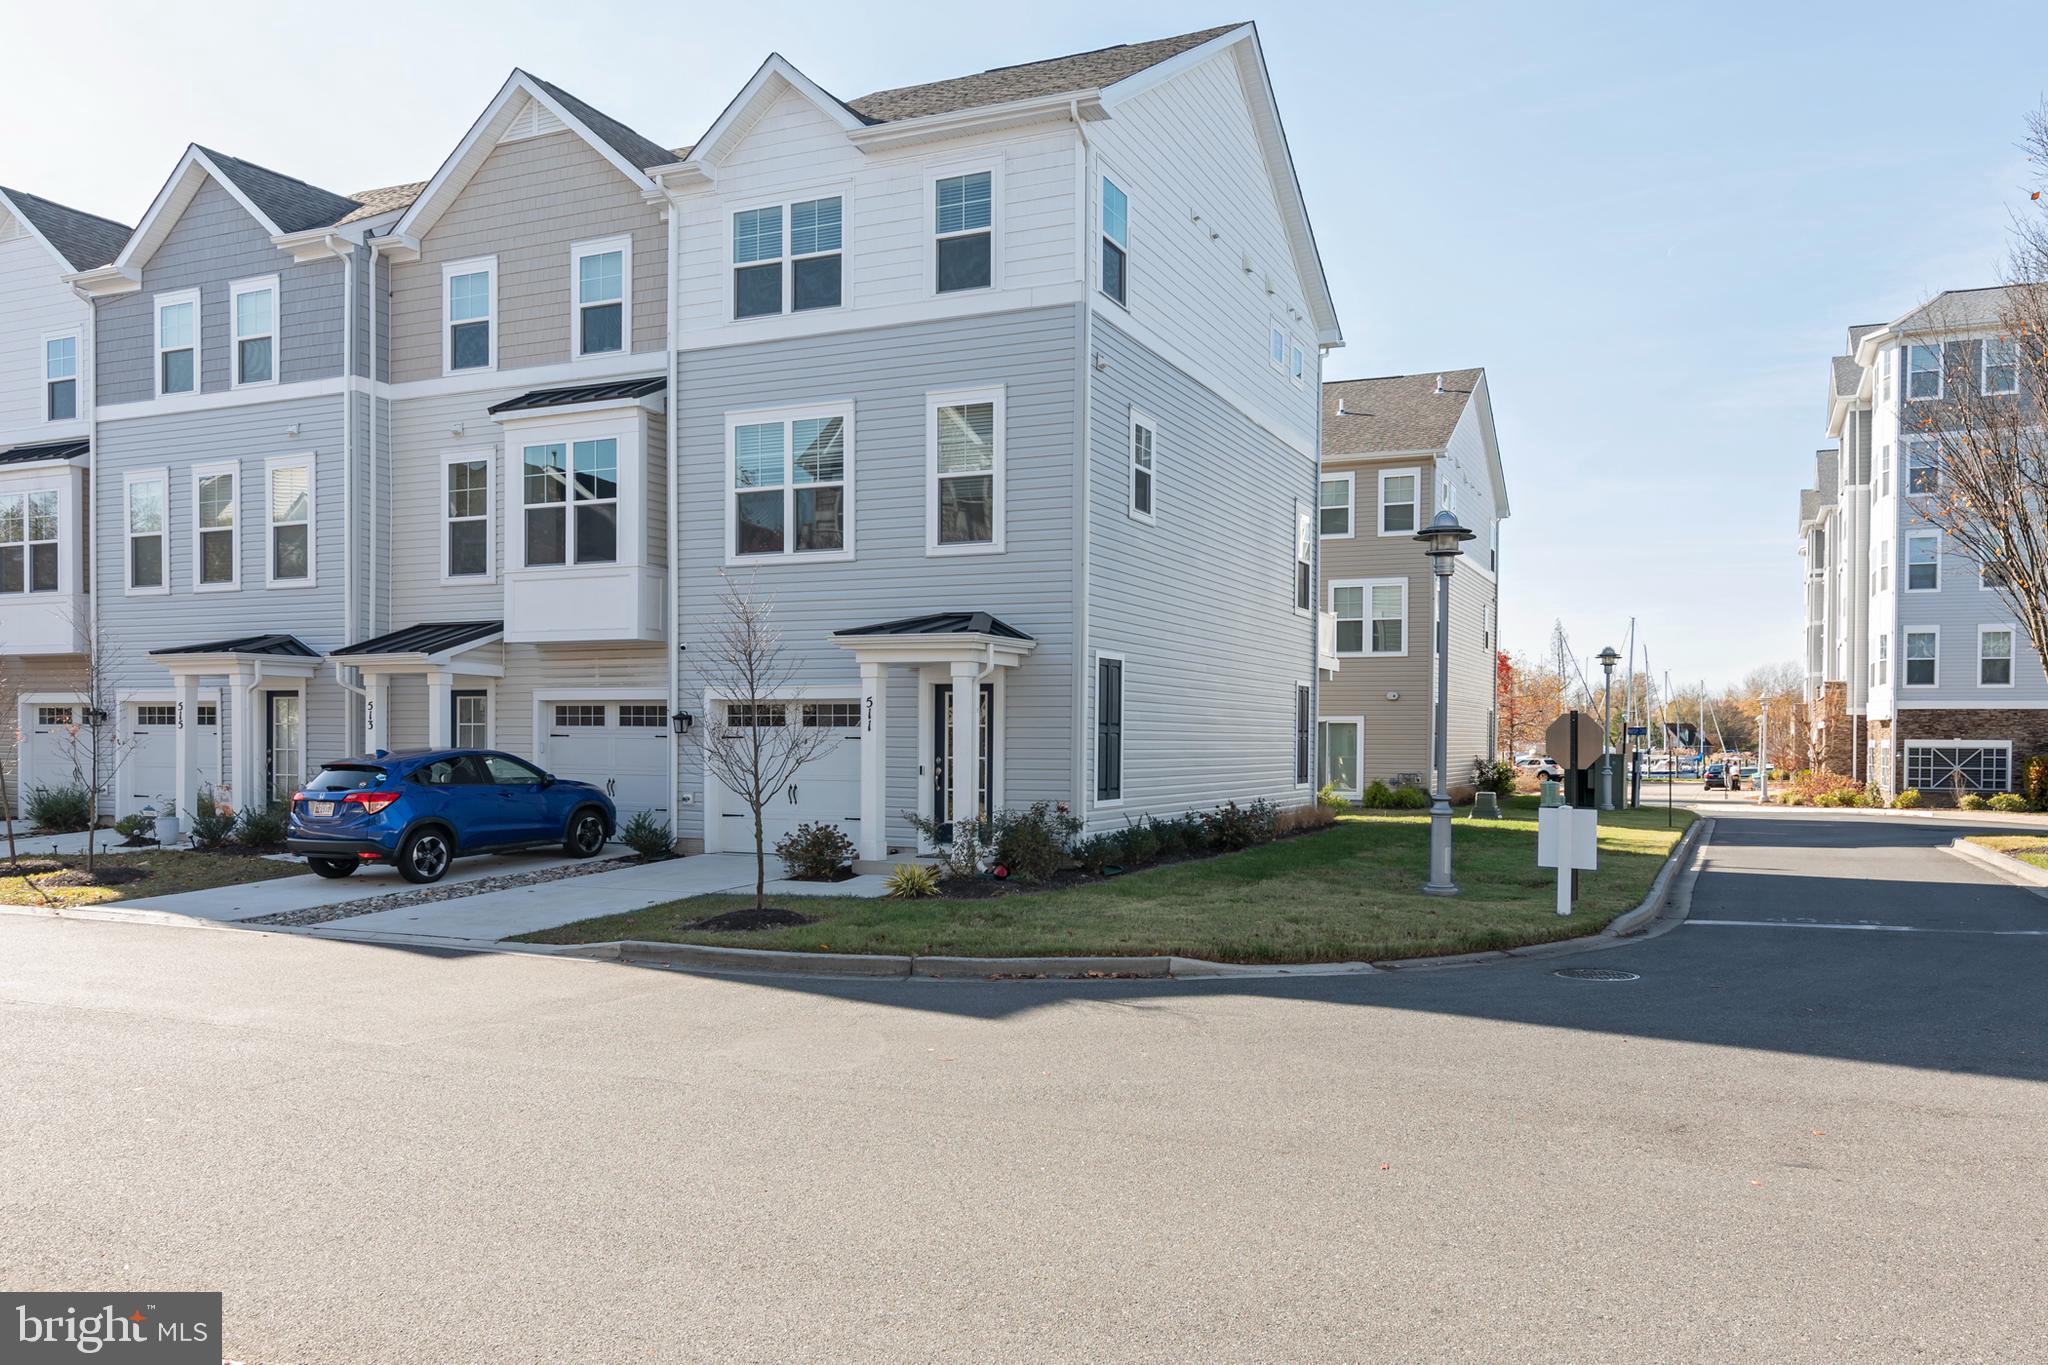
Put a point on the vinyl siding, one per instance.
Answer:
(1200, 603)
(33, 302)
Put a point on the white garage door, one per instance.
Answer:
(621, 746)
(52, 755)
(826, 789)
(149, 771)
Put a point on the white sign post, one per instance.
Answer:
(1568, 839)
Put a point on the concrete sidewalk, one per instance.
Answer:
(251, 899)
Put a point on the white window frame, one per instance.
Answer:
(1357, 751)
(787, 418)
(1297, 363)
(449, 270)
(786, 262)
(1906, 660)
(61, 510)
(1884, 471)
(2012, 657)
(205, 471)
(1105, 181)
(932, 235)
(1906, 582)
(949, 398)
(1349, 478)
(161, 477)
(1924, 445)
(1884, 566)
(625, 452)
(271, 466)
(1884, 374)
(1095, 730)
(256, 285)
(1150, 514)
(76, 378)
(1402, 584)
(622, 244)
(488, 458)
(1301, 573)
(171, 299)
(1952, 745)
(1940, 378)
(1380, 505)
(1984, 367)
(1277, 342)
(1880, 664)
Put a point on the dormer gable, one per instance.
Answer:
(76, 240)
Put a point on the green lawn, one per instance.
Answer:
(168, 872)
(1350, 893)
(2031, 849)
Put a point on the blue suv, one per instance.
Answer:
(423, 809)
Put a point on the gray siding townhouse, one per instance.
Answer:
(46, 402)
(1396, 451)
(1005, 387)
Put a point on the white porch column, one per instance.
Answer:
(243, 769)
(965, 751)
(874, 761)
(440, 700)
(185, 782)
(375, 723)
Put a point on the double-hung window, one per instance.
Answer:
(177, 342)
(964, 232)
(252, 312)
(816, 271)
(60, 378)
(1144, 452)
(467, 529)
(964, 506)
(1276, 349)
(602, 273)
(812, 261)
(28, 542)
(2001, 365)
(1923, 467)
(1372, 616)
(145, 494)
(217, 553)
(1109, 728)
(1116, 241)
(291, 521)
(1922, 649)
(1883, 581)
(1398, 498)
(1923, 372)
(1335, 499)
(469, 291)
(791, 483)
(1994, 656)
(757, 262)
(1923, 562)
(1880, 667)
(1884, 471)
(1297, 362)
(571, 498)
(1304, 563)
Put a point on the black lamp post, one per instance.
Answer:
(1445, 539)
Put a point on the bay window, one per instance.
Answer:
(28, 542)
(571, 497)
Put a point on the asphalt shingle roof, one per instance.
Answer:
(1395, 412)
(1053, 76)
(1848, 376)
(86, 240)
(1954, 308)
(384, 200)
(293, 205)
(430, 637)
(942, 623)
(639, 151)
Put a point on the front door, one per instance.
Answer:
(283, 773)
(469, 721)
(942, 747)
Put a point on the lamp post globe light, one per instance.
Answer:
(1445, 539)
(1608, 659)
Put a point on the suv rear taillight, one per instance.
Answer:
(371, 802)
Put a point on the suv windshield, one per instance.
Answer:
(345, 779)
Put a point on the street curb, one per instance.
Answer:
(1998, 862)
(699, 957)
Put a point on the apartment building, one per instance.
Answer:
(1917, 671)
(1007, 382)
(1396, 451)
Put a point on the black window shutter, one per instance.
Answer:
(1109, 730)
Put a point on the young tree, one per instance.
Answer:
(107, 743)
(754, 740)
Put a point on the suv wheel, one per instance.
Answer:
(332, 867)
(424, 856)
(586, 834)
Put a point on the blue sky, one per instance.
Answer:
(1650, 223)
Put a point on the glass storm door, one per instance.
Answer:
(942, 745)
(282, 734)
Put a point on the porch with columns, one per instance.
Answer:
(444, 654)
(250, 667)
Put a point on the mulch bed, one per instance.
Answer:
(839, 874)
(985, 888)
(31, 867)
(769, 917)
(105, 876)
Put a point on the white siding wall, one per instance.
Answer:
(33, 301)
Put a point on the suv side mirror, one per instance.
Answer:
(546, 780)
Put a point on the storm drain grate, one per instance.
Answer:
(1595, 974)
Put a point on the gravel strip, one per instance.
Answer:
(428, 895)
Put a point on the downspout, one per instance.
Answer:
(673, 631)
(370, 626)
(1084, 794)
(348, 461)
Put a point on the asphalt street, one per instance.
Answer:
(1815, 1127)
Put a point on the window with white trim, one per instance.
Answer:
(177, 342)
(1297, 362)
(156, 713)
(1304, 563)
(1923, 562)
(1335, 504)
(1884, 471)
(964, 433)
(1958, 766)
(1880, 664)
(1923, 372)
(1922, 659)
(217, 553)
(466, 529)
(603, 275)
(571, 498)
(469, 294)
(2001, 366)
(964, 232)
(1923, 467)
(147, 547)
(252, 323)
(1116, 241)
(1994, 656)
(291, 521)
(29, 556)
(1342, 746)
(791, 490)
(1398, 501)
(1276, 350)
(1144, 452)
(1883, 571)
(60, 378)
(768, 279)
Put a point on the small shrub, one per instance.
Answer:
(1181, 836)
(2034, 782)
(1304, 818)
(1140, 843)
(1908, 799)
(1377, 796)
(1331, 799)
(647, 836)
(1232, 827)
(1097, 852)
(1032, 844)
(814, 852)
(1410, 798)
(261, 827)
(65, 809)
(1494, 775)
(213, 823)
(1972, 801)
(136, 828)
(912, 882)
(2010, 803)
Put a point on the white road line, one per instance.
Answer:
(1868, 928)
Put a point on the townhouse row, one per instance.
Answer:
(1006, 386)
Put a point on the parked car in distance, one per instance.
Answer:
(1543, 766)
(1719, 776)
(422, 809)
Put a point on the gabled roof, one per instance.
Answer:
(388, 199)
(79, 240)
(278, 645)
(1954, 308)
(641, 151)
(46, 450)
(1395, 413)
(1029, 80)
(1848, 376)
(431, 637)
(942, 623)
(615, 390)
(286, 203)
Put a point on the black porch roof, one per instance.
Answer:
(942, 623)
(46, 450)
(280, 646)
(610, 391)
(429, 637)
